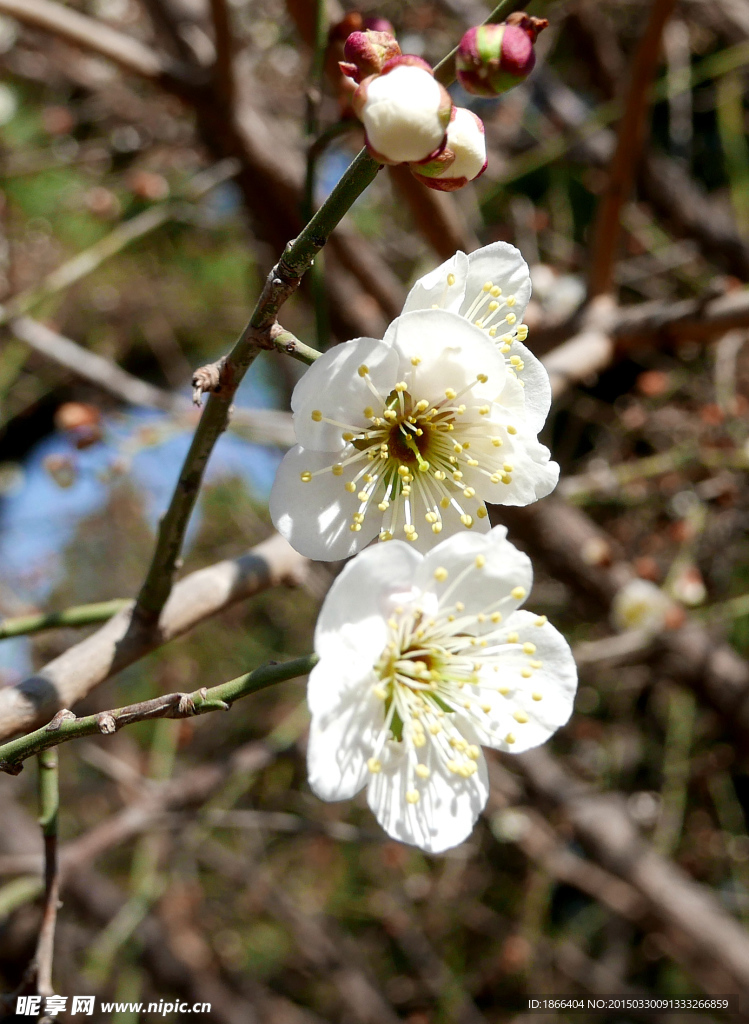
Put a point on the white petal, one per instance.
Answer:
(532, 476)
(333, 386)
(537, 390)
(315, 517)
(451, 353)
(466, 139)
(341, 738)
(505, 568)
(446, 811)
(362, 595)
(555, 682)
(503, 265)
(433, 289)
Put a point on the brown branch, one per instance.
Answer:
(576, 550)
(266, 427)
(223, 68)
(119, 643)
(602, 825)
(630, 141)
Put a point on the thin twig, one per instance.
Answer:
(49, 802)
(65, 726)
(630, 140)
(80, 615)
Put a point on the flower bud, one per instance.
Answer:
(367, 53)
(405, 112)
(493, 58)
(463, 158)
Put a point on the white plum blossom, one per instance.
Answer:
(404, 110)
(424, 659)
(641, 605)
(409, 436)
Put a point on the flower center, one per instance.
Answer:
(414, 456)
(437, 673)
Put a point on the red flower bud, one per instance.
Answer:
(366, 53)
(493, 58)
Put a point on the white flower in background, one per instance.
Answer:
(464, 156)
(408, 437)
(642, 605)
(423, 659)
(405, 111)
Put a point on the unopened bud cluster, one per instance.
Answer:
(408, 116)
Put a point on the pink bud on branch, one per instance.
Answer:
(493, 58)
(366, 53)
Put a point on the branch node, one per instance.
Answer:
(207, 378)
(106, 723)
(62, 716)
(186, 706)
(11, 767)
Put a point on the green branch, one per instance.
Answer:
(65, 726)
(81, 615)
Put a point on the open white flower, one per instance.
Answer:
(422, 660)
(406, 437)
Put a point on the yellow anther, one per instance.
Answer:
(510, 738)
(403, 471)
(466, 770)
(459, 606)
(350, 487)
(458, 743)
(415, 360)
(510, 318)
(383, 506)
(355, 527)
(444, 502)
(529, 648)
(482, 378)
(480, 561)
(374, 765)
(305, 476)
(347, 437)
(503, 690)
(492, 332)
(496, 616)
(362, 495)
(450, 280)
(541, 621)
(496, 441)
(536, 664)
(512, 638)
(506, 478)
(495, 478)
(422, 406)
(526, 673)
(488, 285)
(401, 386)
(481, 512)
(520, 716)
(422, 771)
(484, 410)
(390, 415)
(467, 521)
(363, 370)
(419, 739)
(316, 415)
(510, 300)
(386, 535)
(412, 796)
(336, 469)
(457, 475)
(511, 429)
(440, 574)
(423, 467)
(493, 306)
(380, 692)
(435, 728)
(358, 517)
(496, 291)
(537, 696)
(450, 393)
(473, 752)
(453, 766)
(518, 593)
(436, 527)
(469, 492)
(522, 331)
(507, 467)
(369, 412)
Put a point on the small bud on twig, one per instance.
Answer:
(207, 378)
(62, 716)
(366, 53)
(493, 58)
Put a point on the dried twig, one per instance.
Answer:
(630, 141)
